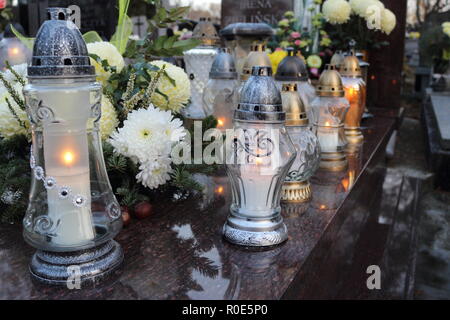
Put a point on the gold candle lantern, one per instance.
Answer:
(256, 58)
(329, 110)
(296, 187)
(355, 92)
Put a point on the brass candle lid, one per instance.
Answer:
(330, 83)
(206, 32)
(293, 106)
(350, 66)
(256, 58)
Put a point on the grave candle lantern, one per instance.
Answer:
(256, 57)
(292, 69)
(240, 36)
(198, 65)
(296, 186)
(355, 92)
(12, 50)
(218, 97)
(258, 160)
(73, 214)
(329, 110)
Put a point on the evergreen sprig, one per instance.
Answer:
(14, 94)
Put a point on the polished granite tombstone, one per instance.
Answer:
(179, 253)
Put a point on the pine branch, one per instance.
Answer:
(11, 109)
(16, 75)
(14, 94)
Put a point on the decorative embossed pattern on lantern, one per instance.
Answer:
(261, 156)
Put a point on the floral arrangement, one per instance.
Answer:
(358, 20)
(311, 44)
(139, 126)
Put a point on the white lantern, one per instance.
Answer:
(73, 214)
(198, 64)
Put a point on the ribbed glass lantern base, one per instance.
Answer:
(333, 161)
(354, 135)
(85, 267)
(255, 232)
(296, 191)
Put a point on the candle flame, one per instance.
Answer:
(14, 51)
(327, 124)
(259, 161)
(322, 207)
(68, 158)
(219, 190)
(220, 122)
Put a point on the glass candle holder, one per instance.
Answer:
(198, 65)
(219, 95)
(296, 187)
(12, 50)
(329, 111)
(73, 214)
(292, 69)
(240, 37)
(258, 160)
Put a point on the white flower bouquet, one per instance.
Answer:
(139, 125)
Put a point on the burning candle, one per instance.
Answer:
(330, 109)
(355, 92)
(328, 137)
(67, 163)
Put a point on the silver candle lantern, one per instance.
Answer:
(198, 65)
(73, 214)
(218, 97)
(258, 160)
(296, 187)
(292, 69)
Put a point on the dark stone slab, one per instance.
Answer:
(179, 253)
(438, 158)
(441, 109)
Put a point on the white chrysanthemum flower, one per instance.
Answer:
(20, 69)
(108, 121)
(9, 125)
(336, 11)
(155, 172)
(106, 51)
(147, 134)
(178, 95)
(388, 21)
(363, 8)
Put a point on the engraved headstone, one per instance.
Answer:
(98, 15)
(267, 11)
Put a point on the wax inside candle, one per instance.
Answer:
(67, 162)
(328, 137)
